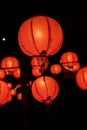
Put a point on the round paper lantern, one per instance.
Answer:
(16, 73)
(2, 74)
(68, 60)
(4, 91)
(45, 89)
(38, 34)
(55, 69)
(19, 96)
(9, 64)
(81, 78)
(36, 72)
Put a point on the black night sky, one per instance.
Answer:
(69, 109)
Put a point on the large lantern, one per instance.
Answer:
(69, 60)
(45, 89)
(40, 34)
(81, 78)
(9, 64)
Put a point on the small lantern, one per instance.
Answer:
(2, 74)
(16, 73)
(9, 64)
(19, 96)
(55, 69)
(68, 60)
(81, 78)
(36, 72)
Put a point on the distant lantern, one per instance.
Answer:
(81, 78)
(19, 96)
(4, 92)
(40, 34)
(69, 61)
(55, 69)
(9, 64)
(36, 72)
(2, 74)
(16, 73)
(45, 89)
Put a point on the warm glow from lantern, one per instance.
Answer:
(38, 34)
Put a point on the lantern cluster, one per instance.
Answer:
(40, 37)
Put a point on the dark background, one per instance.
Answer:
(69, 109)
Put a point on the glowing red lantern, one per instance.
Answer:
(2, 74)
(36, 72)
(4, 92)
(9, 64)
(16, 73)
(69, 60)
(13, 92)
(81, 78)
(45, 89)
(19, 96)
(55, 69)
(38, 34)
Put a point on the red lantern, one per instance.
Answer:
(55, 69)
(4, 92)
(45, 89)
(2, 74)
(9, 64)
(69, 60)
(16, 73)
(13, 92)
(36, 72)
(81, 78)
(19, 96)
(38, 34)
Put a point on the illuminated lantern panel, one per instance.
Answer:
(45, 89)
(9, 64)
(55, 69)
(16, 73)
(68, 60)
(2, 74)
(81, 78)
(38, 34)
(4, 92)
